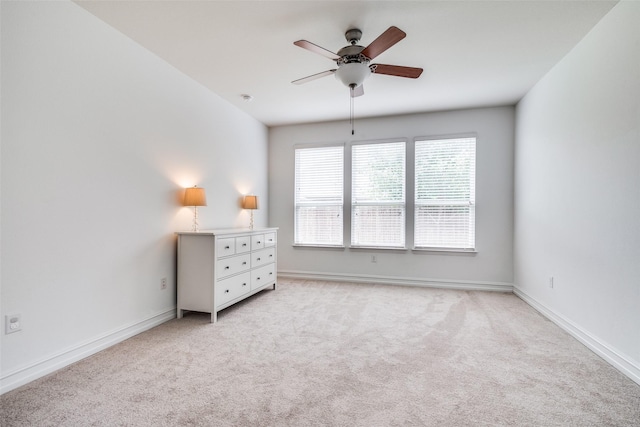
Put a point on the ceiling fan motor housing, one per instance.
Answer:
(351, 53)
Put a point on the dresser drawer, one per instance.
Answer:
(232, 265)
(226, 247)
(257, 241)
(243, 244)
(232, 288)
(263, 257)
(262, 276)
(270, 239)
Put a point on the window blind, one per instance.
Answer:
(319, 175)
(445, 193)
(378, 195)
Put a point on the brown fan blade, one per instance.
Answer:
(313, 77)
(384, 41)
(357, 91)
(317, 49)
(396, 70)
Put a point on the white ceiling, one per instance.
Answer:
(474, 53)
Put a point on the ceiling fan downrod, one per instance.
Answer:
(353, 36)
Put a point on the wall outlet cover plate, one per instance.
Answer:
(12, 323)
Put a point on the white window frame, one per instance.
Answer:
(300, 202)
(452, 201)
(356, 204)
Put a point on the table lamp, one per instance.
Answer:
(250, 202)
(195, 197)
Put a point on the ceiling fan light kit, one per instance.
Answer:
(354, 61)
(353, 74)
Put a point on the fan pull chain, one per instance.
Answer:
(351, 112)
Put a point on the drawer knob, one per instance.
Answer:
(258, 278)
(244, 263)
(244, 284)
(226, 291)
(226, 247)
(270, 256)
(244, 244)
(270, 274)
(259, 242)
(227, 267)
(258, 259)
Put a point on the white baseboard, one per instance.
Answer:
(466, 285)
(26, 374)
(617, 359)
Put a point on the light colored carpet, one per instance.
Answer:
(339, 354)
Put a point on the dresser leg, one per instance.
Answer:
(214, 317)
(180, 313)
(274, 286)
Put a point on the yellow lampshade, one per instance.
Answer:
(250, 202)
(195, 196)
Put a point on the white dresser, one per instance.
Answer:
(218, 268)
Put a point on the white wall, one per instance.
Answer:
(98, 137)
(577, 204)
(490, 267)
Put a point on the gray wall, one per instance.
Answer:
(577, 204)
(490, 266)
(98, 138)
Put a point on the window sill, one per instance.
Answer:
(446, 250)
(314, 246)
(387, 248)
(379, 248)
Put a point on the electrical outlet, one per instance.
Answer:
(12, 323)
(551, 282)
(163, 283)
(374, 258)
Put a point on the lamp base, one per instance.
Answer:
(195, 227)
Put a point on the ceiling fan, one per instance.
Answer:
(354, 61)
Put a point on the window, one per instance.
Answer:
(378, 195)
(445, 193)
(318, 196)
